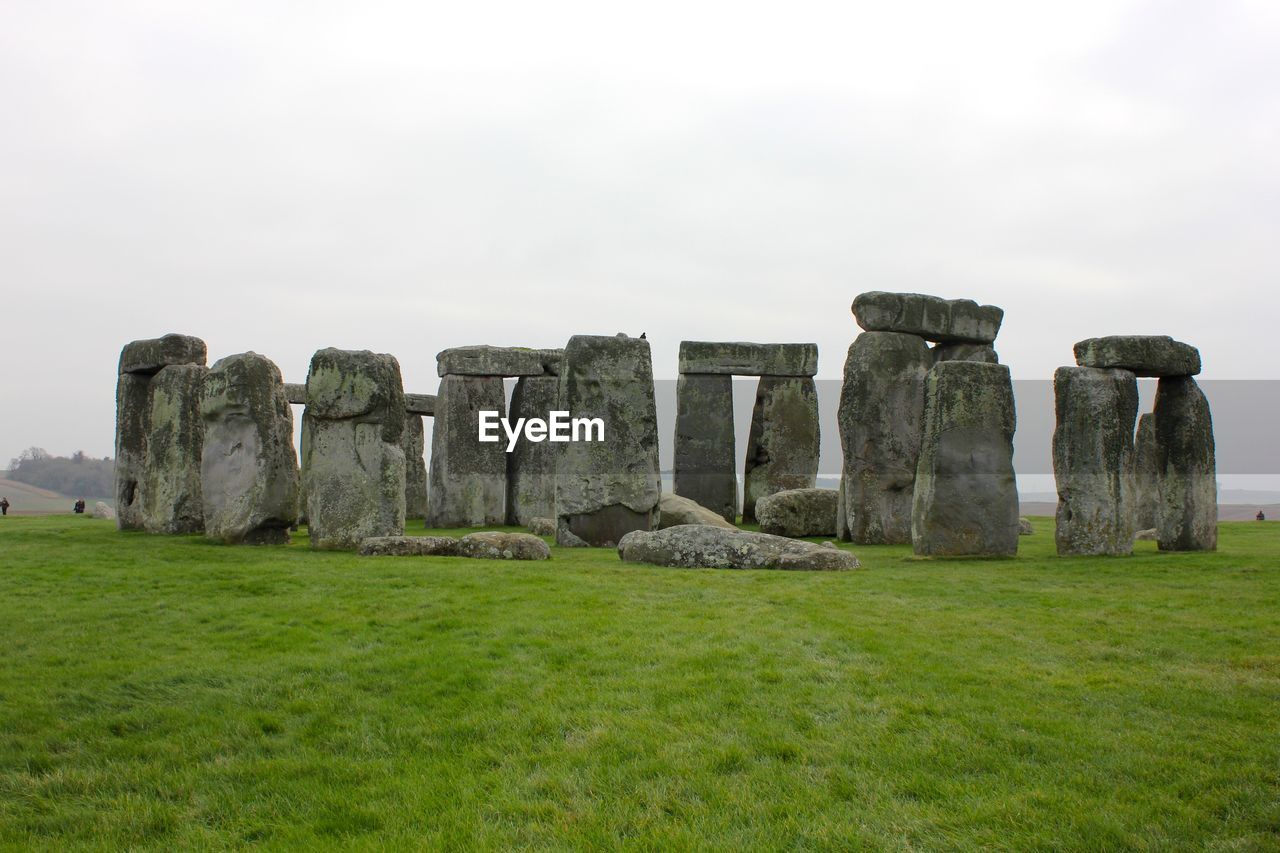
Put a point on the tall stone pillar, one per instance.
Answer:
(782, 447)
(703, 464)
(531, 466)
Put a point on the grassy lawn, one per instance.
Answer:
(166, 692)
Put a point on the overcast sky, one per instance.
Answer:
(409, 177)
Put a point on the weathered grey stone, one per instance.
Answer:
(1146, 474)
(1025, 528)
(468, 476)
(1093, 460)
(699, 546)
(799, 512)
(881, 419)
(409, 546)
(542, 526)
(748, 359)
(133, 424)
(172, 501)
(296, 393)
(703, 464)
(607, 488)
(354, 469)
(420, 404)
(531, 465)
(930, 317)
(493, 545)
(103, 510)
(1148, 535)
(486, 360)
(413, 443)
(675, 510)
(783, 445)
(304, 451)
(148, 356)
(248, 467)
(1185, 459)
(984, 353)
(1143, 355)
(966, 498)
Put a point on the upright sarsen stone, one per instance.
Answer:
(605, 489)
(1186, 466)
(353, 464)
(782, 447)
(531, 465)
(1146, 474)
(966, 497)
(413, 442)
(248, 468)
(468, 476)
(703, 467)
(171, 494)
(881, 417)
(1093, 460)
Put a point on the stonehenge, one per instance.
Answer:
(531, 466)
(700, 546)
(606, 489)
(1111, 482)
(930, 317)
(799, 512)
(248, 467)
(159, 435)
(353, 464)
(783, 443)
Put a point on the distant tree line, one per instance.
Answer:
(76, 475)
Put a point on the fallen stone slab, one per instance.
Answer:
(409, 546)
(799, 512)
(485, 360)
(103, 510)
(493, 545)
(676, 510)
(930, 317)
(148, 356)
(699, 546)
(739, 358)
(1143, 355)
(542, 526)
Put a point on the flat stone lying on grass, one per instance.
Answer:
(542, 526)
(698, 546)
(799, 512)
(495, 545)
(676, 510)
(1144, 355)
(409, 546)
(930, 317)
(103, 510)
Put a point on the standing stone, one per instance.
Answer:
(1187, 469)
(782, 447)
(605, 489)
(171, 495)
(304, 446)
(1093, 460)
(413, 443)
(531, 465)
(468, 476)
(355, 470)
(881, 417)
(248, 468)
(1146, 474)
(966, 497)
(703, 464)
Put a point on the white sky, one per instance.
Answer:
(407, 177)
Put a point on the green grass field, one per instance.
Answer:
(164, 692)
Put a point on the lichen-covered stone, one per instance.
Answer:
(881, 419)
(605, 489)
(1143, 355)
(248, 467)
(1185, 460)
(966, 497)
(1093, 460)
(699, 546)
(148, 356)
(675, 510)
(703, 465)
(1150, 534)
(171, 492)
(409, 546)
(783, 445)
(984, 353)
(1146, 474)
(354, 469)
(748, 359)
(1025, 528)
(531, 465)
(799, 512)
(494, 545)
(542, 526)
(487, 360)
(468, 476)
(413, 443)
(930, 317)
(296, 393)
(420, 404)
(103, 510)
